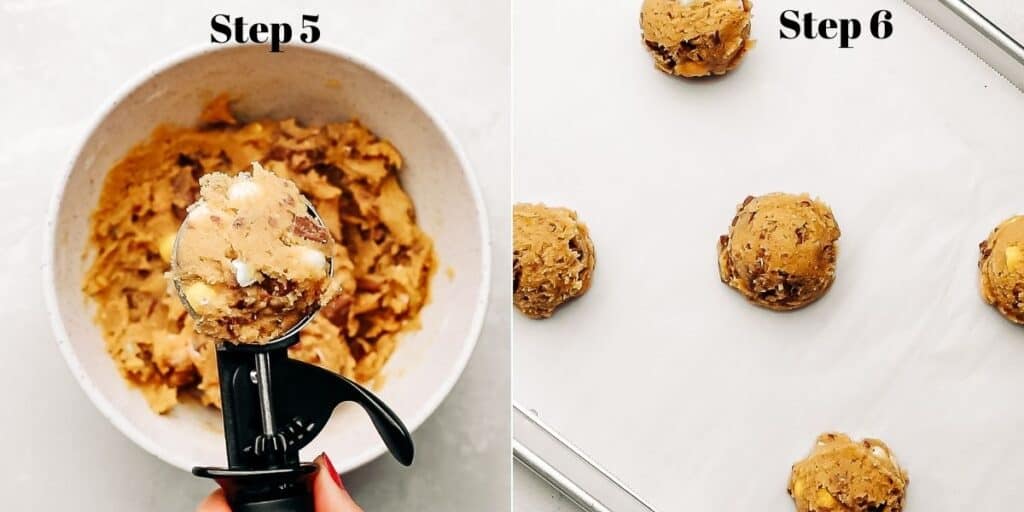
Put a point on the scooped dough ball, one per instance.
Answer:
(842, 475)
(552, 258)
(781, 250)
(695, 38)
(251, 260)
(1002, 269)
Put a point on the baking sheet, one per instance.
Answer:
(1008, 14)
(579, 478)
(672, 381)
(978, 34)
(535, 495)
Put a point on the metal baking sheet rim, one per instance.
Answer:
(972, 30)
(602, 493)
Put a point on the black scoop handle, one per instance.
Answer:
(290, 504)
(313, 392)
(266, 490)
(304, 396)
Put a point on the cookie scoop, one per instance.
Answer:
(843, 475)
(780, 251)
(696, 38)
(552, 258)
(252, 264)
(1001, 268)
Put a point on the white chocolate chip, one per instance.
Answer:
(200, 296)
(244, 273)
(242, 190)
(166, 247)
(1014, 258)
(881, 453)
(312, 258)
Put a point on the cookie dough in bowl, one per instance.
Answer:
(843, 475)
(552, 258)
(381, 260)
(780, 251)
(1001, 267)
(251, 260)
(696, 38)
(410, 252)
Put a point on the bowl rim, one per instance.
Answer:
(114, 414)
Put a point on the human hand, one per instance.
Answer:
(329, 494)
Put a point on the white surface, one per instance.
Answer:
(672, 381)
(533, 494)
(314, 86)
(66, 455)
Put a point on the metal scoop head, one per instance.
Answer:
(285, 339)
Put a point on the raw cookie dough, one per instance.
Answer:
(781, 250)
(841, 475)
(383, 261)
(250, 259)
(1002, 269)
(695, 38)
(552, 258)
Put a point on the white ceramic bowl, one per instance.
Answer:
(314, 85)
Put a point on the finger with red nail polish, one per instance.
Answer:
(331, 471)
(329, 494)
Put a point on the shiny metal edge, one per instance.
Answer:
(987, 28)
(546, 468)
(555, 479)
(977, 34)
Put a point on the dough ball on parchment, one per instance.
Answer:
(552, 258)
(781, 249)
(695, 38)
(1002, 269)
(843, 475)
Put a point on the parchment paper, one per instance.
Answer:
(695, 398)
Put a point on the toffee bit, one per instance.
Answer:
(305, 227)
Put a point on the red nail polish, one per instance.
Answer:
(331, 471)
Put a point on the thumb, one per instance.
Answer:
(215, 502)
(329, 494)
